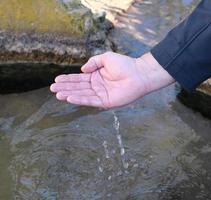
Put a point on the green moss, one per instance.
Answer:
(39, 16)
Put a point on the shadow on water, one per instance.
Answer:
(155, 148)
(19, 77)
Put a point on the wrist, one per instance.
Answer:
(156, 76)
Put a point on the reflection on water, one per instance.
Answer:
(152, 149)
(143, 151)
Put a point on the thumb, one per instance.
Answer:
(94, 63)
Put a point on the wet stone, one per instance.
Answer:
(200, 99)
(46, 38)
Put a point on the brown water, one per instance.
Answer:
(154, 149)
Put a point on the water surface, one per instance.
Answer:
(154, 149)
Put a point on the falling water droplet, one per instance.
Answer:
(119, 139)
(100, 169)
(105, 145)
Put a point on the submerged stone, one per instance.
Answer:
(45, 34)
(200, 99)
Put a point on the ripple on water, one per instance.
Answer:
(60, 151)
(147, 150)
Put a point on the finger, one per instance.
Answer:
(57, 87)
(93, 64)
(64, 94)
(93, 101)
(73, 78)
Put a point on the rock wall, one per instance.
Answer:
(48, 31)
(38, 34)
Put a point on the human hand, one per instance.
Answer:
(111, 80)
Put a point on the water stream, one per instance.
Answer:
(153, 149)
(120, 142)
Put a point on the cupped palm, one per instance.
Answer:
(108, 80)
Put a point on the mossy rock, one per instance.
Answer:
(40, 39)
(42, 31)
(40, 16)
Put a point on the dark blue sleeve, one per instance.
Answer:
(185, 53)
